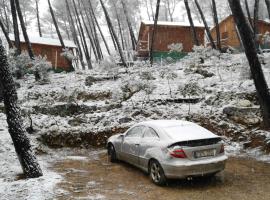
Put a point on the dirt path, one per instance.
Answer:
(91, 176)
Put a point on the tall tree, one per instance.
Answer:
(87, 54)
(38, 18)
(248, 13)
(21, 143)
(131, 32)
(6, 34)
(154, 33)
(114, 36)
(253, 59)
(23, 27)
(255, 20)
(75, 35)
(59, 34)
(92, 13)
(208, 32)
(15, 27)
(218, 39)
(193, 30)
(267, 2)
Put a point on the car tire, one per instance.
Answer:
(112, 153)
(156, 173)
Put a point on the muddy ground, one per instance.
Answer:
(89, 175)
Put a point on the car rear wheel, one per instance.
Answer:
(156, 173)
(112, 153)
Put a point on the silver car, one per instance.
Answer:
(168, 149)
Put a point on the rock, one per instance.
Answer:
(90, 80)
(246, 116)
(125, 120)
(204, 73)
(244, 103)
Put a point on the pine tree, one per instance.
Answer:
(21, 143)
(253, 59)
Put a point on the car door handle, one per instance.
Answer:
(137, 145)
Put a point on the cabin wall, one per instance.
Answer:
(167, 35)
(53, 54)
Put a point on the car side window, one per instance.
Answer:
(150, 133)
(135, 132)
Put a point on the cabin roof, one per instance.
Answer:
(266, 21)
(166, 23)
(45, 41)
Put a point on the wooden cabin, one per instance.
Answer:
(51, 48)
(230, 36)
(167, 33)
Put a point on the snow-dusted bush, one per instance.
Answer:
(190, 89)
(200, 54)
(19, 65)
(169, 75)
(129, 87)
(175, 47)
(68, 54)
(109, 65)
(147, 75)
(40, 68)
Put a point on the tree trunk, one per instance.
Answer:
(193, 30)
(154, 33)
(59, 34)
(267, 2)
(6, 34)
(113, 33)
(216, 24)
(74, 34)
(87, 55)
(131, 32)
(21, 143)
(90, 36)
(255, 21)
(255, 65)
(25, 35)
(15, 27)
(119, 25)
(206, 25)
(93, 30)
(38, 19)
(248, 13)
(99, 29)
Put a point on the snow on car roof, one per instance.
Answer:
(167, 23)
(45, 41)
(181, 130)
(167, 123)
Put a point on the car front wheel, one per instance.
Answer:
(112, 153)
(156, 173)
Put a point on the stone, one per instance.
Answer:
(244, 103)
(124, 120)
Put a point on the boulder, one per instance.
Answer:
(244, 103)
(249, 116)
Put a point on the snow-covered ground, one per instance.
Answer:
(225, 83)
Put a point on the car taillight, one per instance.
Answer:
(222, 148)
(178, 153)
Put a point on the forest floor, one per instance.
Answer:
(89, 175)
(80, 110)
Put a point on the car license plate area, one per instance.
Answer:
(204, 153)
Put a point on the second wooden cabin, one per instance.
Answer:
(167, 33)
(230, 36)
